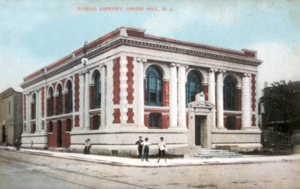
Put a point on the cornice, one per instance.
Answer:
(143, 43)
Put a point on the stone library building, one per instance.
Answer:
(127, 84)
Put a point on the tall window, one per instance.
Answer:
(50, 127)
(229, 93)
(69, 104)
(51, 102)
(69, 125)
(8, 107)
(59, 100)
(97, 96)
(153, 86)
(193, 86)
(33, 108)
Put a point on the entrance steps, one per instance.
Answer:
(59, 149)
(206, 153)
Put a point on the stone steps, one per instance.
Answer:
(211, 153)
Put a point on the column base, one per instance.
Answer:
(173, 127)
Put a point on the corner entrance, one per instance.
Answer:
(197, 130)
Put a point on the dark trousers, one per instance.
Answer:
(87, 150)
(161, 152)
(140, 148)
(145, 154)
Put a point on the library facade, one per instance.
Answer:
(127, 84)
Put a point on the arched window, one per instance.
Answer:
(33, 107)
(229, 93)
(193, 86)
(153, 86)
(59, 100)
(51, 102)
(97, 93)
(69, 103)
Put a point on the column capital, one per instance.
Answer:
(141, 60)
(183, 65)
(82, 72)
(38, 90)
(222, 71)
(246, 75)
(103, 65)
(173, 65)
(213, 70)
(87, 71)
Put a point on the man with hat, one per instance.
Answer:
(146, 145)
(162, 147)
(140, 146)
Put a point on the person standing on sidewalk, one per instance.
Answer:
(140, 146)
(162, 149)
(146, 145)
(18, 143)
(87, 146)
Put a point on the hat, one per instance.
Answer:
(146, 138)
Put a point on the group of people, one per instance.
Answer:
(144, 146)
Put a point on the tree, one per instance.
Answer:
(282, 104)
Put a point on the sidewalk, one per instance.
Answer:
(126, 161)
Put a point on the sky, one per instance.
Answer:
(34, 34)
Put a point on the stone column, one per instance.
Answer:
(173, 96)
(27, 112)
(212, 94)
(181, 97)
(246, 106)
(39, 110)
(220, 106)
(109, 94)
(81, 99)
(140, 91)
(86, 101)
(103, 96)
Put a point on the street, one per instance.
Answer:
(25, 170)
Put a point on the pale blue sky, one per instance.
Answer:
(33, 34)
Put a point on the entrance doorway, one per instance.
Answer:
(59, 135)
(197, 130)
(3, 134)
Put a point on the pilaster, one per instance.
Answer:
(182, 97)
(140, 93)
(173, 96)
(220, 106)
(81, 99)
(212, 93)
(103, 95)
(246, 102)
(86, 101)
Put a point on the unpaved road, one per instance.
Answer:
(23, 170)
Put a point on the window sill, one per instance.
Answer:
(50, 133)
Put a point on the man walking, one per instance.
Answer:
(162, 149)
(140, 146)
(146, 145)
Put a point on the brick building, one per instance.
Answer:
(11, 116)
(137, 84)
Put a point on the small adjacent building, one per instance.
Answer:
(11, 116)
(130, 84)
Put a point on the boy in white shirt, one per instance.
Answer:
(162, 149)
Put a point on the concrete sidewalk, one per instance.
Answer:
(126, 161)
